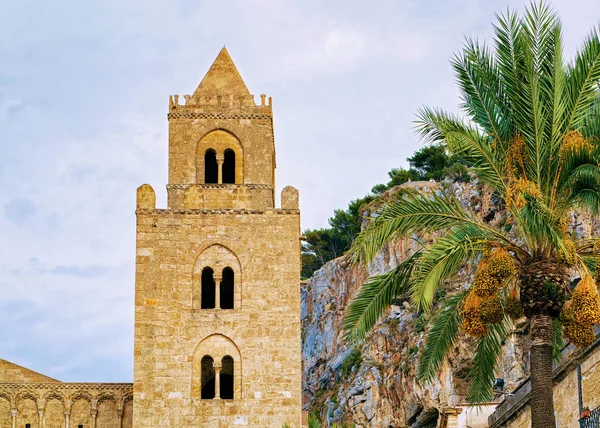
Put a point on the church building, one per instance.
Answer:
(217, 296)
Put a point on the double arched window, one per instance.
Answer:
(217, 291)
(219, 159)
(217, 378)
(219, 169)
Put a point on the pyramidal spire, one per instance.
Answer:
(223, 78)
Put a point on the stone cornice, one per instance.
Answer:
(224, 115)
(277, 211)
(65, 385)
(221, 186)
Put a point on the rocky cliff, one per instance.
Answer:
(374, 384)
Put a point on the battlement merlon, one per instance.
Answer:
(208, 103)
(224, 198)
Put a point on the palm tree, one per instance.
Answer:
(530, 133)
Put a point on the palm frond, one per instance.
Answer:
(441, 337)
(464, 140)
(482, 95)
(374, 297)
(443, 258)
(413, 213)
(582, 80)
(558, 342)
(482, 373)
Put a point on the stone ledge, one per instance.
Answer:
(167, 211)
(69, 385)
(206, 115)
(220, 186)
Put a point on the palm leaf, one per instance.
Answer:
(487, 354)
(374, 297)
(440, 338)
(442, 260)
(414, 213)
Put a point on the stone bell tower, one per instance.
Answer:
(217, 303)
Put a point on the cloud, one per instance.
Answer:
(19, 211)
(83, 104)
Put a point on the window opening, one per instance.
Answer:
(211, 170)
(226, 378)
(227, 289)
(229, 167)
(208, 289)
(207, 379)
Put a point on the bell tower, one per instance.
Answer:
(217, 304)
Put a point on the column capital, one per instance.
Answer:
(217, 278)
(14, 412)
(220, 158)
(217, 366)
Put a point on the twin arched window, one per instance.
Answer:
(219, 169)
(217, 378)
(217, 297)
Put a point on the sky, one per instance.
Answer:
(84, 92)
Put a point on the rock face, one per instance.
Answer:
(375, 384)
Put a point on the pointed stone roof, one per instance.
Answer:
(223, 78)
(14, 373)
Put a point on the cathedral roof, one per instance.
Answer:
(223, 78)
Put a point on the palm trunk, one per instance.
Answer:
(540, 361)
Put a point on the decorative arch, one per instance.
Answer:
(27, 409)
(54, 411)
(5, 408)
(8, 397)
(217, 347)
(80, 395)
(26, 395)
(220, 141)
(218, 258)
(54, 395)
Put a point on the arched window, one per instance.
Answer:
(226, 289)
(229, 167)
(208, 289)
(211, 170)
(226, 378)
(207, 391)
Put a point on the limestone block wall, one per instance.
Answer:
(193, 130)
(261, 333)
(515, 411)
(60, 405)
(13, 373)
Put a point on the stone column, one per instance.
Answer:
(94, 414)
(120, 413)
(217, 279)
(68, 405)
(220, 160)
(41, 418)
(13, 417)
(217, 366)
(94, 404)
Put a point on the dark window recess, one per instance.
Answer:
(211, 170)
(207, 378)
(226, 289)
(226, 378)
(208, 289)
(229, 167)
